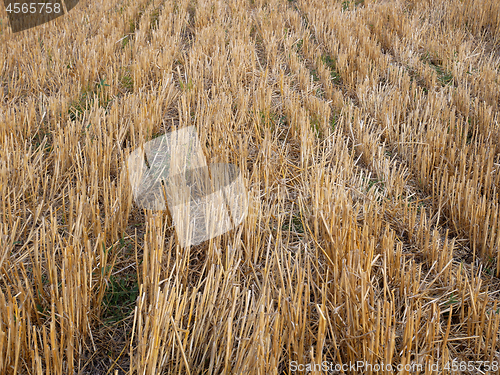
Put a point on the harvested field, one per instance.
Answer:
(367, 133)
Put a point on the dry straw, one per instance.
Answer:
(367, 134)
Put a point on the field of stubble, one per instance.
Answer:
(368, 136)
